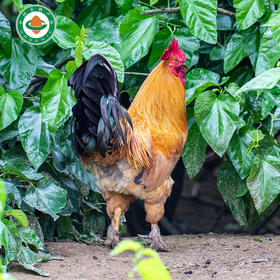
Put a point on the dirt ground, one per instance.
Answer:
(204, 256)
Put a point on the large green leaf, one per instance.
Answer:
(20, 67)
(65, 32)
(200, 17)
(269, 53)
(5, 34)
(248, 12)
(264, 180)
(10, 106)
(265, 80)
(230, 186)
(197, 80)
(137, 33)
(56, 101)
(34, 135)
(217, 118)
(237, 152)
(187, 42)
(194, 152)
(110, 53)
(47, 197)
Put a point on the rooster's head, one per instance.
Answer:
(176, 59)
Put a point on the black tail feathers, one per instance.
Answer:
(98, 116)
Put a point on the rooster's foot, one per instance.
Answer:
(112, 239)
(154, 235)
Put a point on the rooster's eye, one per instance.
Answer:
(176, 61)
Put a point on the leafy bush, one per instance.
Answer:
(146, 261)
(232, 97)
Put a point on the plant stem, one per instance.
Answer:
(177, 10)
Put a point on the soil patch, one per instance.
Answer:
(201, 256)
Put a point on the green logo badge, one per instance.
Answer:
(36, 24)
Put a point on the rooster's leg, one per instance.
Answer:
(154, 213)
(117, 204)
(113, 229)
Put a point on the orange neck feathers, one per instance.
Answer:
(160, 106)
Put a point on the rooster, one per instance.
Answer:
(131, 153)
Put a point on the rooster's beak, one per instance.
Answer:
(185, 65)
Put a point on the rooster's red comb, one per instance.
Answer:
(174, 51)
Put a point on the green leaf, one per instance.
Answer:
(5, 34)
(187, 42)
(235, 52)
(3, 196)
(232, 88)
(269, 53)
(200, 17)
(274, 19)
(9, 240)
(197, 80)
(47, 197)
(265, 80)
(66, 32)
(230, 185)
(276, 34)
(248, 12)
(153, 2)
(64, 160)
(20, 67)
(19, 5)
(126, 245)
(93, 223)
(19, 215)
(20, 168)
(106, 30)
(264, 180)
(224, 22)
(110, 53)
(34, 135)
(153, 268)
(194, 152)
(237, 152)
(43, 68)
(137, 33)
(27, 258)
(256, 135)
(66, 8)
(217, 53)
(125, 5)
(217, 118)
(10, 106)
(56, 101)
(64, 227)
(9, 132)
(28, 236)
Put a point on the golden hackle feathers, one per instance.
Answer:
(159, 107)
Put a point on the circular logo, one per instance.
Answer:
(35, 24)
